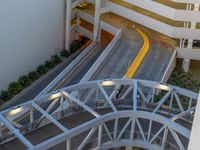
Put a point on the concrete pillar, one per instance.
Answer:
(78, 21)
(68, 25)
(97, 20)
(186, 62)
(31, 117)
(129, 148)
(68, 144)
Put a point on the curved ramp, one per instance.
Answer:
(140, 56)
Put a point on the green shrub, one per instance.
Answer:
(4, 95)
(64, 53)
(56, 59)
(14, 88)
(24, 81)
(49, 64)
(33, 75)
(75, 46)
(42, 69)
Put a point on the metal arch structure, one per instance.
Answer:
(137, 113)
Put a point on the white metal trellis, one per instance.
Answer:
(134, 112)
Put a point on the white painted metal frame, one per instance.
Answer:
(99, 122)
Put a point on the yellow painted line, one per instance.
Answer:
(140, 56)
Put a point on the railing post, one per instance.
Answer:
(31, 117)
(68, 144)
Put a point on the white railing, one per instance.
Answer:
(89, 18)
(67, 70)
(167, 11)
(102, 58)
(188, 53)
(170, 68)
(171, 31)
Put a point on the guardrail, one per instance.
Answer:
(66, 70)
(170, 68)
(89, 18)
(101, 58)
(188, 53)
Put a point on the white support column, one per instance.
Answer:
(129, 148)
(68, 25)
(135, 89)
(31, 117)
(97, 20)
(68, 144)
(100, 135)
(186, 62)
(194, 143)
(78, 21)
(61, 103)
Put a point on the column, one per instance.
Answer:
(78, 21)
(68, 25)
(97, 20)
(31, 117)
(68, 144)
(186, 62)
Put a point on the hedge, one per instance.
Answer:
(25, 80)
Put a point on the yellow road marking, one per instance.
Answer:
(140, 56)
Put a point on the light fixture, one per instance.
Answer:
(15, 110)
(107, 83)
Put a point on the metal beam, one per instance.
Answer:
(174, 118)
(156, 135)
(49, 108)
(176, 138)
(140, 128)
(107, 97)
(135, 99)
(142, 94)
(108, 132)
(162, 101)
(16, 132)
(124, 129)
(59, 125)
(178, 101)
(100, 135)
(87, 138)
(78, 102)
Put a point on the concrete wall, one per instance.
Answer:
(30, 32)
